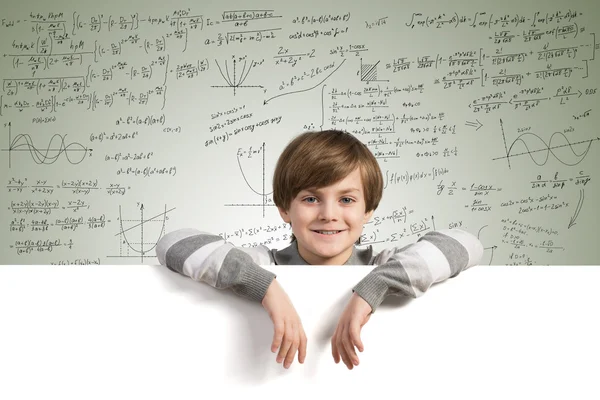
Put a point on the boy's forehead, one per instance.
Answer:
(350, 183)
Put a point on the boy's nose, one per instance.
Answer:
(328, 212)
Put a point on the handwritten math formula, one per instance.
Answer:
(123, 123)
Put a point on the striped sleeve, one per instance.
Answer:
(208, 258)
(411, 270)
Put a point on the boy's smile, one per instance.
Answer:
(328, 221)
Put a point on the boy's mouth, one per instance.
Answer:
(327, 233)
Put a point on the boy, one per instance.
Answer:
(326, 185)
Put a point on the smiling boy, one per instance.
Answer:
(328, 221)
(326, 185)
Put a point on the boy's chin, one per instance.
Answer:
(327, 252)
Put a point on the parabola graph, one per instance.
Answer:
(138, 235)
(233, 78)
(263, 193)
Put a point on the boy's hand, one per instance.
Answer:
(289, 335)
(347, 333)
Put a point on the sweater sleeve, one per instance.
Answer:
(411, 270)
(208, 258)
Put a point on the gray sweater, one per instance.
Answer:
(410, 270)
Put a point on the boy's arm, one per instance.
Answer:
(209, 258)
(435, 257)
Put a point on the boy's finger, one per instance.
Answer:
(349, 347)
(302, 349)
(277, 336)
(350, 354)
(343, 350)
(289, 358)
(334, 350)
(355, 337)
(285, 347)
(344, 356)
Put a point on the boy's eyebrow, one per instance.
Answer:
(315, 190)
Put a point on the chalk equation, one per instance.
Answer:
(121, 124)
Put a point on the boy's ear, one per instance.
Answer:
(284, 215)
(368, 216)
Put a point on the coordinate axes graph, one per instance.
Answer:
(142, 229)
(548, 148)
(74, 152)
(265, 201)
(236, 82)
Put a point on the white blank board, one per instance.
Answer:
(124, 332)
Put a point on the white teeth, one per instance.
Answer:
(328, 232)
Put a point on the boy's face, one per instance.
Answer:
(339, 208)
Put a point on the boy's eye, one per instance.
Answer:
(347, 200)
(310, 199)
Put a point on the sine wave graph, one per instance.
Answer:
(139, 234)
(566, 152)
(73, 152)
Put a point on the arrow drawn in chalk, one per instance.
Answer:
(474, 124)
(577, 209)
